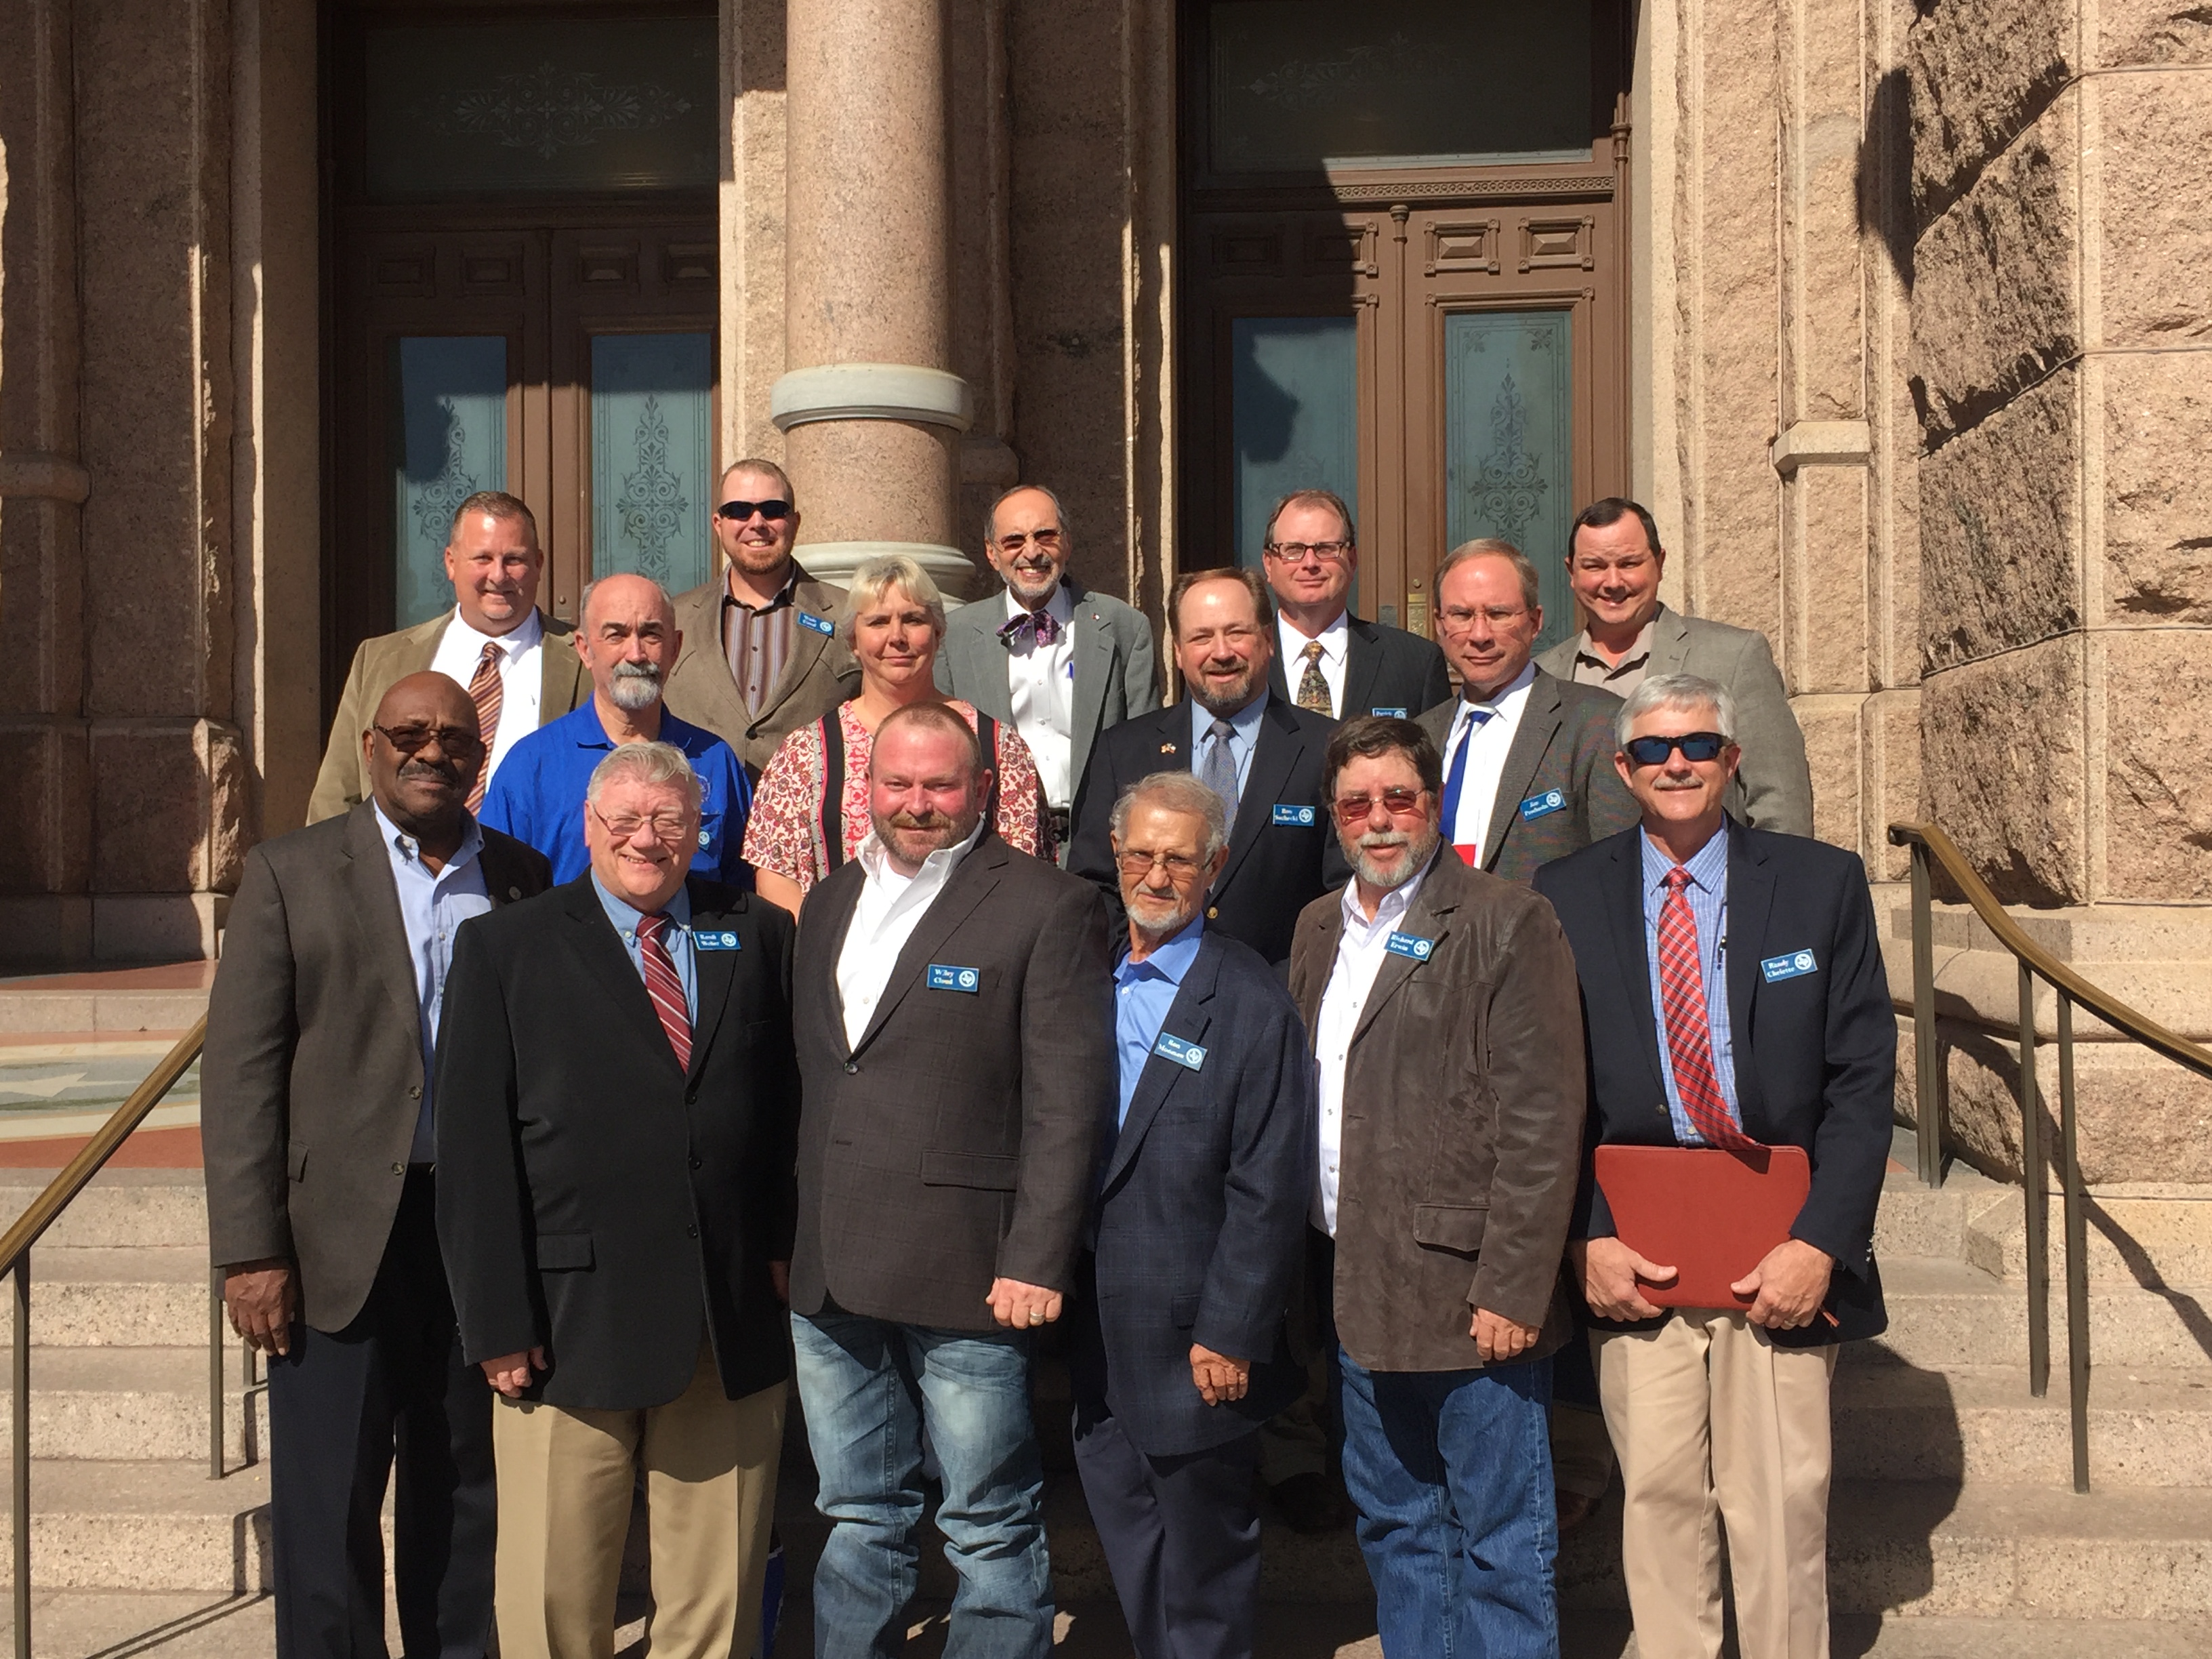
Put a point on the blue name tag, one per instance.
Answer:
(1412, 944)
(1394, 713)
(1304, 817)
(819, 625)
(1793, 965)
(1543, 805)
(1183, 1054)
(705, 940)
(942, 978)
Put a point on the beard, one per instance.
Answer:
(1360, 853)
(915, 836)
(1159, 916)
(1223, 701)
(636, 686)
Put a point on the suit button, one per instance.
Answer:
(415, 1092)
(399, 1169)
(691, 1097)
(695, 1162)
(690, 1232)
(1213, 913)
(852, 1065)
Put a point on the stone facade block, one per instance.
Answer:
(2152, 31)
(1889, 779)
(2158, 492)
(1982, 71)
(170, 806)
(2152, 196)
(2001, 529)
(2005, 772)
(43, 810)
(1829, 648)
(2158, 795)
(1831, 725)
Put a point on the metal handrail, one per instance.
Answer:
(1929, 844)
(16, 1261)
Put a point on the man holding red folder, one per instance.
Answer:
(1735, 1000)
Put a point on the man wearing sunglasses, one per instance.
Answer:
(760, 655)
(1734, 985)
(1342, 665)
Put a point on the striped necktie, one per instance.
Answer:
(663, 985)
(486, 690)
(1689, 1032)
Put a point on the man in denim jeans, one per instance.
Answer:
(956, 1038)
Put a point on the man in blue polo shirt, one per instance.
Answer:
(628, 639)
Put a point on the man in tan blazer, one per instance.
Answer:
(760, 654)
(513, 660)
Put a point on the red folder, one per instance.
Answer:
(1709, 1214)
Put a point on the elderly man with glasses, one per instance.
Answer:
(1342, 665)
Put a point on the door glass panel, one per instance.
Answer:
(650, 420)
(1508, 441)
(1295, 386)
(451, 442)
(1300, 84)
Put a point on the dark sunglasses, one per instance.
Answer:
(740, 511)
(1694, 746)
(411, 739)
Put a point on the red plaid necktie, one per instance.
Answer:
(485, 689)
(663, 986)
(1689, 1036)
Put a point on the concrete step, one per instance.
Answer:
(2132, 1241)
(169, 1624)
(141, 1404)
(150, 1526)
(144, 1297)
(1945, 1312)
(120, 1208)
(161, 998)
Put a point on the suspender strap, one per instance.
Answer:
(833, 790)
(987, 737)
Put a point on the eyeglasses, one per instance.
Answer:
(1694, 746)
(739, 512)
(1460, 618)
(1180, 869)
(411, 739)
(1048, 540)
(1295, 552)
(1398, 803)
(668, 827)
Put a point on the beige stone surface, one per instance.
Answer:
(2151, 32)
(2153, 199)
(1823, 293)
(751, 222)
(1982, 71)
(43, 846)
(2158, 492)
(1890, 793)
(2006, 769)
(2001, 528)
(1834, 753)
(2158, 794)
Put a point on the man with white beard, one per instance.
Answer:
(627, 639)
(1448, 1036)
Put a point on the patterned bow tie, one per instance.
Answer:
(1037, 627)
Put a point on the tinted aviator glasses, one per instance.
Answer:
(1398, 803)
(739, 512)
(1694, 746)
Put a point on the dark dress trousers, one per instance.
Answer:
(954, 1143)
(310, 1088)
(594, 1199)
(1387, 670)
(1815, 1052)
(1282, 850)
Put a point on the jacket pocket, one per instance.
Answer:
(1451, 1226)
(296, 1159)
(1183, 1310)
(991, 1171)
(563, 1252)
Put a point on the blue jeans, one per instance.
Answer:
(868, 1388)
(1452, 1474)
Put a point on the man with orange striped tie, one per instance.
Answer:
(617, 1128)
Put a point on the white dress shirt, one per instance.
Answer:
(1042, 682)
(433, 905)
(1359, 955)
(1485, 762)
(890, 907)
(1335, 641)
(522, 677)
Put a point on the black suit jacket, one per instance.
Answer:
(312, 1078)
(954, 1143)
(1201, 1216)
(593, 1199)
(1815, 1052)
(1276, 866)
(1387, 670)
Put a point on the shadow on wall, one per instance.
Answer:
(1885, 172)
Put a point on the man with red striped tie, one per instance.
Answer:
(617, 1134)
(1734, 998)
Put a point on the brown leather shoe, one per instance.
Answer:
(1308, 1504)
(1575, 1509)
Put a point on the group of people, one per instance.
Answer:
(586, 1074)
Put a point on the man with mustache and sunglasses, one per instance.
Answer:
(317, 1114)
(760, 655)
(1733, 982)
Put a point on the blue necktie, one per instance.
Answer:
(1219, 772)
(1476, 719)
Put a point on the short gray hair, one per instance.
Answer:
(647, 763)
(584, 598)
(1675, 693)
(876, 577)
(1491, 547)
(1179, 791)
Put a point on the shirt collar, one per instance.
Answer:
(409, 851)
(787, 594)
(1170, 961)
(1061, 606)
(1639, 648)
(592, 731)
(937, 867)
(1394, 903)
(625, 916)
(1507, 702)
(1335, 640)
(521, 637)
(1708, 865)
(1245, 721)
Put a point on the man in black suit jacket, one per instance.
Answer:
(617, 1135)
(1261, 756)
(1733, 991)
(1181, 1351)
(1342, 665)
(956, 1038)
(316, 1116)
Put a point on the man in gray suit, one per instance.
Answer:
(1528, 759)
(1614, 562)
(1058, 661)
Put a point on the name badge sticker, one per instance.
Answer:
(1543, 805)
(1187, 1055)
(1791, 964)
(1393, 714)
(943, 977)
(707, 939)
(1302, 818)
(1412, 944)
(819, 625)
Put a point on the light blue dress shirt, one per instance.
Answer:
(1708, 897)
(1143, 993)
(433, 905)
(626, 916)
(1243, 737)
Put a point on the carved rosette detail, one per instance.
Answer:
(652, 504)
(436, 502)
(1509, 484)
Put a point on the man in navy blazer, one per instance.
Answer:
(1181, 1351)
(1733, 996)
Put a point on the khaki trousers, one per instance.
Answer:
(565, 1482)
(1713, 1423)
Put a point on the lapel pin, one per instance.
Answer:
(1167, 749)
(515, 892)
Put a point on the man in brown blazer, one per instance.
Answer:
(316, 1116)
(515, 661)
(1449, 1047)
(760, 654)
